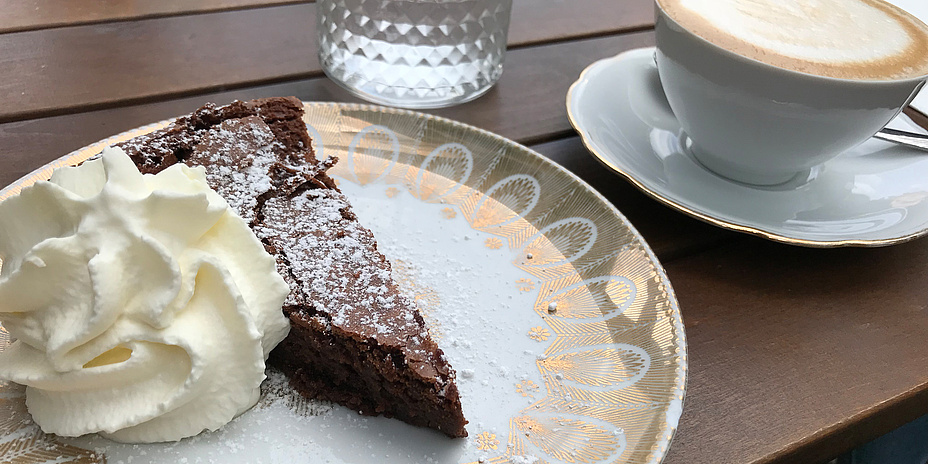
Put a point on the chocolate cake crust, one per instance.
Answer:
(355, 339)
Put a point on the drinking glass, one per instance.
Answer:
(413, 53)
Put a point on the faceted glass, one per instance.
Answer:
(413, 53)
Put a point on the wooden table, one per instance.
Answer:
(796, 355)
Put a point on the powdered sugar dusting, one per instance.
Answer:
(337, 268)
(484, 317)
(276, 390)
(329, 261)
(239, 154)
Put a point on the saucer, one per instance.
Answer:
(873, 195)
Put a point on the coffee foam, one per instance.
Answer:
(856, 39)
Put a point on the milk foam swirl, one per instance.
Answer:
(143, 307)
(854, 39)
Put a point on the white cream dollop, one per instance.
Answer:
(142, 306)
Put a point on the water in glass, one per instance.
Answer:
(413, 53)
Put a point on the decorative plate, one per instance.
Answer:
(560, 322)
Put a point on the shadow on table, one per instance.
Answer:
(906, 445)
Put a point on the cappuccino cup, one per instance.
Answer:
(765, 90)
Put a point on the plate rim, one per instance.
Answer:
(671, 415)
(577, 88)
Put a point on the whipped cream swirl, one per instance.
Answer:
(143, 307)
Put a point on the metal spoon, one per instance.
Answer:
(908, 139)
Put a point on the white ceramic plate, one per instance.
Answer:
(873, 195)
(486, 234)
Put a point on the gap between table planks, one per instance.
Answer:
(527, 105)
(28, 15)
(122, 63)
(533, 18)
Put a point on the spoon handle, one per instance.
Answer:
(904, 138)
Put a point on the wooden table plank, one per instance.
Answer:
(19, 15)
(527, 105)
(797, 355)
(535, 20)
(73, 69)
(543, 21)
(67, 70)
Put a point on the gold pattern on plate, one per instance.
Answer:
(486, 441)
(427, 299)
(449, 213)
(526, 388)
(505, 203)
(28, 444)
(493, 243)
(374, 151)
(567, 439)
(525, 285)
(615, 354)
(614, 362)
(443, 172)
(539, 334)
(598, 367)
(576, 299)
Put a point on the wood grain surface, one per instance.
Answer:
(535, 21)
(799, 354)
(24, 15)
(519, 107)
(543, 21)
(796, 355)
(66, 70)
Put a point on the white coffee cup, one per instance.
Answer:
(761, 124)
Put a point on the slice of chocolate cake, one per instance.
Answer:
(354, 338)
